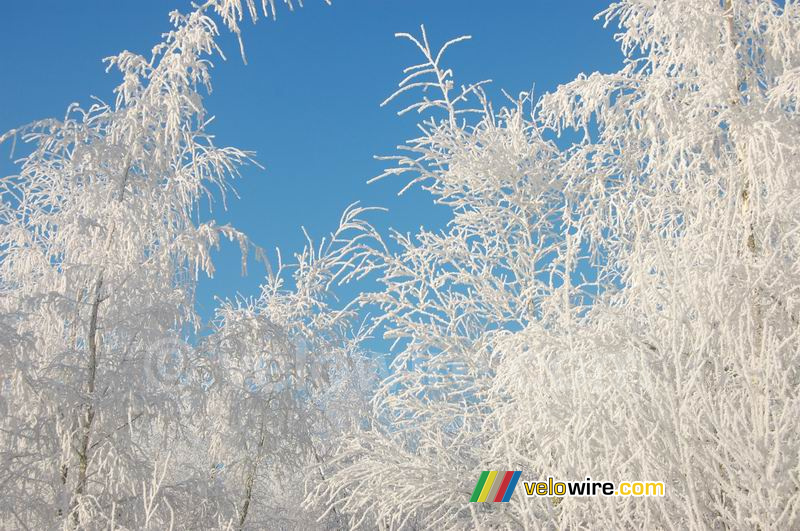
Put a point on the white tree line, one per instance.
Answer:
(623, 306)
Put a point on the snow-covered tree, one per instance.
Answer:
(289, 375)
(100, 249)
(450, 298)
(624, 307)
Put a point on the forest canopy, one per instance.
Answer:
(616, 296)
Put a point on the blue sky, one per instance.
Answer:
(308, 100)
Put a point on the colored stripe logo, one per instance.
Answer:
(494, 486)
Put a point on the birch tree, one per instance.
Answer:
(290, 374)
(100, 249)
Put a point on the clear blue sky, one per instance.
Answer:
(308, 101)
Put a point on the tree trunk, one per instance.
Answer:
(88, 418)
(250, 481)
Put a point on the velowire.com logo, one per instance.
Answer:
(494, 486)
